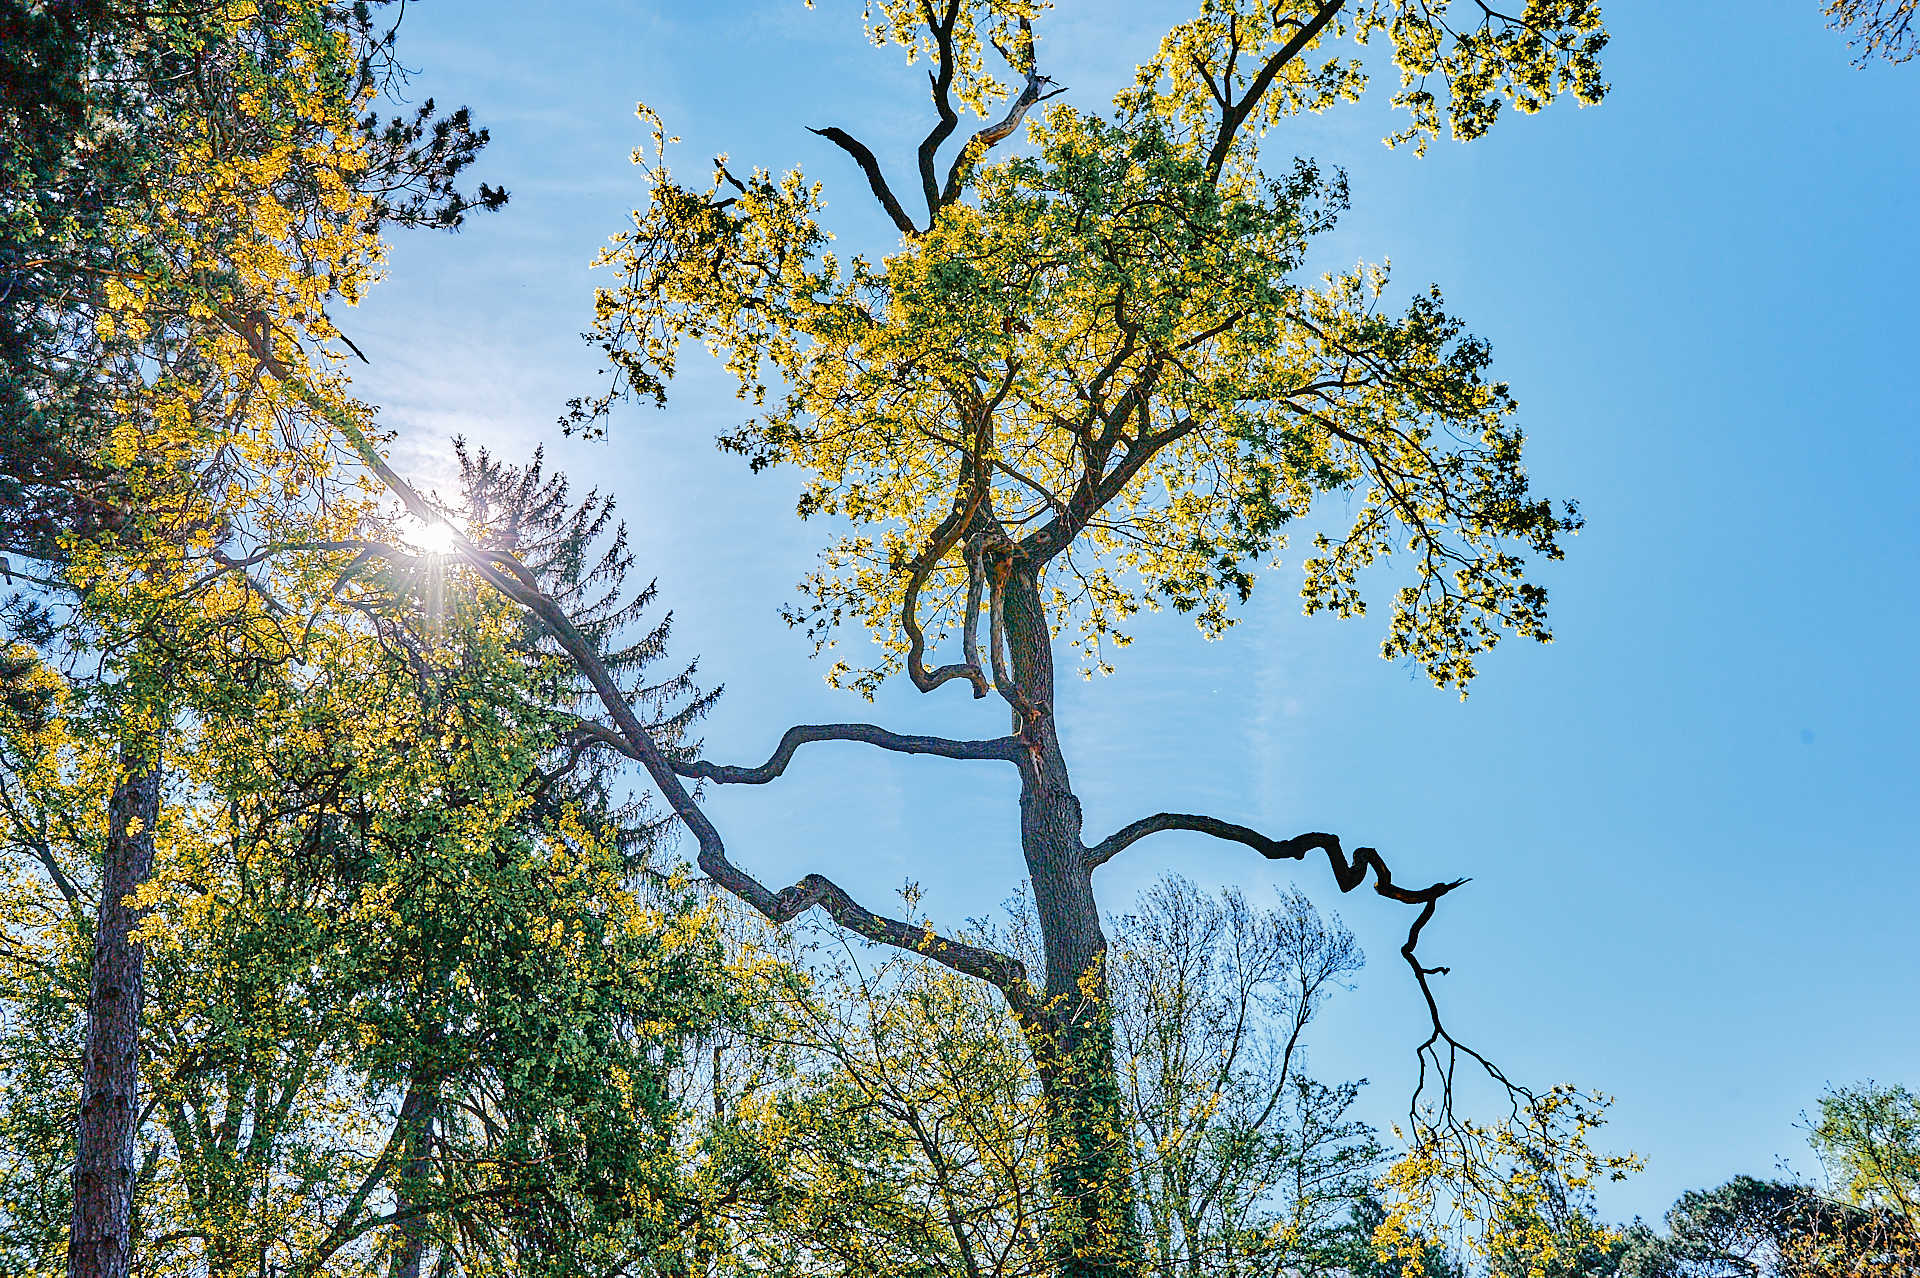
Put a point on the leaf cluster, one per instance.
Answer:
(1098, 358)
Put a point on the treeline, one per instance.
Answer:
(1861, 1219)
(334, 936)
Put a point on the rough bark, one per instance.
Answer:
(417, 1113)
(100, 1245)
(1096, 1228)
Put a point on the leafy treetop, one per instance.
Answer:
(1096, 360)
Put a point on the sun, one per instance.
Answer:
(437, 538)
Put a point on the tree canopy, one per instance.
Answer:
(334, 938)
(1097, 356)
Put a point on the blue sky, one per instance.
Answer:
(1690, 821)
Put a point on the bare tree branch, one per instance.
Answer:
(976, 585)
(1004, 749)
(875, 178)
(511, 578)
(1348, 874)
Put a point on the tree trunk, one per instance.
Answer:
(416, 1125)
(1088, 1155)
(100, 1245)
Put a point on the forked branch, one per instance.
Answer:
(940, 78)
(1435, 1064)
(1234, 114)
(1034, 91)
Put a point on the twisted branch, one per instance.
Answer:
(505, 573)
(1348, 875)
(1005, 749)
(945, 536)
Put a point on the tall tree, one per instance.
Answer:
(1088, 383)
(174, 178)
(1085, 381)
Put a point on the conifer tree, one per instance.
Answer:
(420, 971)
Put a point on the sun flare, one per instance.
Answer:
(436, 538)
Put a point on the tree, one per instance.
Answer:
(879, 1116)
(113, 120)
(172, 178)
(1751, 1228)
(540, 972)
(1870, 1136)
(419, 973)
(1086, 381)
(1745, 1228)
(1246, 1164)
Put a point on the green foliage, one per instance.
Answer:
(167, 177)
(1870, 1136)
(1728, 1232)
(1098, 354)
(419, 975)
(883, 1115)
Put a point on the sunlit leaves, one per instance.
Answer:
(1505, 1188)
(962, 30)
(1105, 356)
(1870, 1137)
